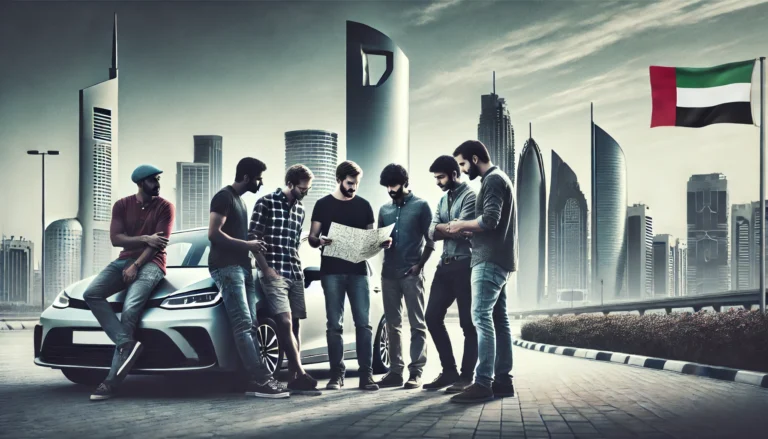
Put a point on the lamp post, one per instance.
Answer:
(42, 249)
(601, 292)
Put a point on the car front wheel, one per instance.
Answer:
(89, 377)
(381, 348)
(271, 351)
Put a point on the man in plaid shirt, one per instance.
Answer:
(277, 220)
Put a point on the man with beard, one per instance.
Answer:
(141, 224)
(402, 274)
(452, 281)
(494, 260)
(342, 278)
(277, 219)
(230, 266)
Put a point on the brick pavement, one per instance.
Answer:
(558, 397)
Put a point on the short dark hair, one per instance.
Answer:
(393, 174)
(473, 147)
(347, 169)
(249, 166)
(445, 164)
(298, 173)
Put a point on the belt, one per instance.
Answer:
(451, 259)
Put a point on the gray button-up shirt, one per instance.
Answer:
(410, 235)
(458, 203)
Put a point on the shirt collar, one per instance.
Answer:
(406, 198)
(458, 190)
(491, 169)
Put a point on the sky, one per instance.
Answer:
(250, 71)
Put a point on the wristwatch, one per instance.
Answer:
(136, 263)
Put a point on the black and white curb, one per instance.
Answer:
(715, 372)
(15, 325)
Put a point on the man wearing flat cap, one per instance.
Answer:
(141, 224)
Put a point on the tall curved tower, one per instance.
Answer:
(377, 108)
(568, 268)
(532, 225)
(98, 167)
(318, 150)
(609, 216)
(63, 244)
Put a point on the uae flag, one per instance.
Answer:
(697, 97)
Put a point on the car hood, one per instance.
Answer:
(177, 280)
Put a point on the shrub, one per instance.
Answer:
(737, 338)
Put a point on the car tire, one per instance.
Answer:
(381, 348)
(89, 377)
(271, 350)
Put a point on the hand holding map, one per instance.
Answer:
(355, 245)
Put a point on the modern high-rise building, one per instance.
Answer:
(609, 216)
(639, 252)
(744, 264)
(681, 268)
(709, 262)
(193, 195)
(17, 265)
(318, 150)
(377, 108)
(208, 149)
(496, 132)
(63, 263)
(663, 266)
(532, 226)
(98, 167)
(568, 216)
(756, 241)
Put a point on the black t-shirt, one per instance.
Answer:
(228, 203)
(356, 213)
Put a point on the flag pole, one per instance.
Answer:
(762, 184)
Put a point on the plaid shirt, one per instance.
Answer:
(278, 222)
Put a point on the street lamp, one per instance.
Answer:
(42, 249)
(601, 292)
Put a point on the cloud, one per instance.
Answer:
(425, 15)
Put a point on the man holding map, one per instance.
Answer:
(340, 277)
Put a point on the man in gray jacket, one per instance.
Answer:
(494, 258)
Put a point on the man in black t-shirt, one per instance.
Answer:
(340, 277)
(230, 267)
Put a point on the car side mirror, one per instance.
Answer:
(311, 274)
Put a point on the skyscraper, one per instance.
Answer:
(316, 149)
(709, 263)
(63, 263)
(681, 268)
(744, 264)
(377, 108)
(756, 241)
(496, 132)
(208, 149)
(98, 166)
(639, 252)
(663, 266)
(193, 196)
(532, 225)
(17, 265)
(568, 268)
(609, 215)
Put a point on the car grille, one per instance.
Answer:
(160, 352)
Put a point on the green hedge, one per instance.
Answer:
(736, 338)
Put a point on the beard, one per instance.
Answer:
(394, 195)
(297, 194)
(474, 171)
(449, 186)
(253, 187)
(345, 192)
(149, 191)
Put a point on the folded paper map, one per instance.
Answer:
(355, 245)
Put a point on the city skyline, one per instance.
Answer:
(552, 90)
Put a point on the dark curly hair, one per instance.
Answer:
(473, 147)
(445, 164)
(394, 174)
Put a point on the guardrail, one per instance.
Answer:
(717, 301)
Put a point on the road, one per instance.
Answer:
(558, 397)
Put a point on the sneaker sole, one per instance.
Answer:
(453, 391)
(371, 389)
(306, 392)
(333, 387)
(126, 367)
(411, 386)
(434, 389)
(99, 397)
(268, 395)
(473, 401)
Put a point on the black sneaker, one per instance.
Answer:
(304, 385)
(445, 379)
(270, 388)
(503, 388)
(367, 383)
(414, 382)
(474, 393)
(459, 386)
(104, 391)
(335, 383)
(391, 380)
(128, 353)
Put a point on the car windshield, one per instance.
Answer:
(188, 249)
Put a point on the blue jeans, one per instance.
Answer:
(356, 286)
(110, 282)
(238, 291)
(489, 314)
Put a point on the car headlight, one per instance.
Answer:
(61, 301)
(193, 299)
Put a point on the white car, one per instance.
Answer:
(185, 328)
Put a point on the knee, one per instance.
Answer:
(433, 321)
(242, 325)
(283, 322)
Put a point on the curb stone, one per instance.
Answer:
(17, 325)
(716, 372)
